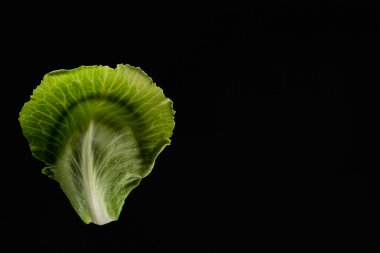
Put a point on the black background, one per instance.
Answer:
(273, 102)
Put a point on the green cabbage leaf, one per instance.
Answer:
(99, 131)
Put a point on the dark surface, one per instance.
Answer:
(269, 127)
